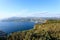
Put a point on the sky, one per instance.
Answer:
(29, 8)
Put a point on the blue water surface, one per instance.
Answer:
(9, 27)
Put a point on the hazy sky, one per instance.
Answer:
(29, 8)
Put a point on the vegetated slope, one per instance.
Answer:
(46, 31)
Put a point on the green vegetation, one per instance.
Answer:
(46, 31)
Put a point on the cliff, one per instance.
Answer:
(46, 31)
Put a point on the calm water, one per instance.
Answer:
(9, 27)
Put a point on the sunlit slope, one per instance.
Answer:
(46, 31)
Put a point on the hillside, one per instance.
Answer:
(46, 31)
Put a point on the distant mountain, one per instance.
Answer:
(29, 19)
(23, 19)
(11, 19)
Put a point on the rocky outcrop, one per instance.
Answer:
(2, 35)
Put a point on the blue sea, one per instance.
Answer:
(9, 27)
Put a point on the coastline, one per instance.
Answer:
(46, 31)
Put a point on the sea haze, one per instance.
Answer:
(9, 27)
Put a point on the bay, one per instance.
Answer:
(9, 27)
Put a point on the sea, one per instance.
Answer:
(9, 27)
